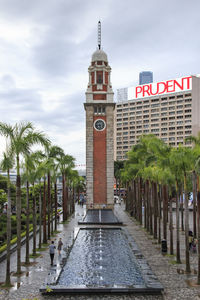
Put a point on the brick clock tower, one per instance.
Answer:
(99, 109)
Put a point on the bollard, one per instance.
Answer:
(164, 246)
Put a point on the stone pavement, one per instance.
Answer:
(175, 285)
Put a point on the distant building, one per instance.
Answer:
(145, 77)
(168, 109)
(122, 94)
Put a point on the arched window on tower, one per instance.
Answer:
(99, 77)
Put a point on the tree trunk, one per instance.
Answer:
(145, 206)
(178, 256)
(48, 204)
(194, 205)
(198, 228)
(64, 197)
(155, 208)
(27, 261)
(151, 210)
(182, 211)
(159, 214)
(40, 218)
(44, 214)
(171, 227)
(164, 212)
(187, 253)
(34, 223)
(148, 209)
(18, 209)
(56, 204)
(7, 282)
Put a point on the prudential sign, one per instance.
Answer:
(160, 88)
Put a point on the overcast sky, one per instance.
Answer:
(46, 48)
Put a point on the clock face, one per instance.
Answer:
(99, 125)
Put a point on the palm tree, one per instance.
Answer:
(66, 162)
(22, 136)
(6, 164)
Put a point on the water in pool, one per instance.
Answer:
(101, 258)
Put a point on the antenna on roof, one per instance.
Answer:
(99, 35)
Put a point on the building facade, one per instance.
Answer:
(169, 109)
(99, 109)
(145, 77)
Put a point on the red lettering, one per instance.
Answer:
(158, 87)
(145, 90)
(170, 84)
(138, 92)
(188, 82)
(177, 84)
(151, 90)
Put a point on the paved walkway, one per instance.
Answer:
(176, 287)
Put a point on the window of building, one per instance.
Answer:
(188, 100)
(155, 120)
(163, 134)
(171, 118)
(171, 123)
(188, 116)
(146, 121)
(172, 97)
(146, 131)
(172, 113)
(154, 110)
(164, 124)
(145, 111)
(163, 98)
(164, 109)
(188, 111)
(171, 128)
(164, 114)
(163, 119)
(179, 106)
(188, 95)
(164, 129)
(179, 117)
(172, 108)
(179, 96)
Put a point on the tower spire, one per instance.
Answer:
(99, 35)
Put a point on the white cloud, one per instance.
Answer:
(46, 49)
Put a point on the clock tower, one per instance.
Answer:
(99, 109)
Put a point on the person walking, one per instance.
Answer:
(52, 248)
(60, 244)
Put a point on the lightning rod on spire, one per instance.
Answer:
(99, 35)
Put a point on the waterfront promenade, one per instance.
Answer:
(176, 285)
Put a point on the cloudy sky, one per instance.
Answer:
(46, 48)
